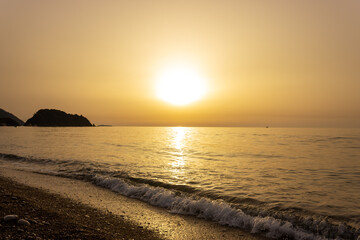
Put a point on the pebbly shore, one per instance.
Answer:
(30, 213)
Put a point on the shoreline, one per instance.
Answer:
(146, 221)
(54, 217)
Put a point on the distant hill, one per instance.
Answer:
(57, 118)
(8, 119)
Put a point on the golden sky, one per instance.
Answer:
(277, 63)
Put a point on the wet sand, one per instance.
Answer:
(72, 209)
(54, 217)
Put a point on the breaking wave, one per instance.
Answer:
(225, 214)
(246, 213)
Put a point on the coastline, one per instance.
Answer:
(130, 218)
(54, 217)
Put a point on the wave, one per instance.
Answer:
(13, 157)
(225, 214)
(245, 213)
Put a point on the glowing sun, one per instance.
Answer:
(180, 85)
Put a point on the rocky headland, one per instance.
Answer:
(9, 119)
(57, 118)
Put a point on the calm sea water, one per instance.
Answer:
(299, 183)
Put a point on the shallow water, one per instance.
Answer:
(256, 178)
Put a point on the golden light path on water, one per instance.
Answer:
(177, 165)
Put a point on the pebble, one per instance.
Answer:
(33, 221)
(23, 222)
(10, 218)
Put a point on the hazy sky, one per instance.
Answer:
(277, 63)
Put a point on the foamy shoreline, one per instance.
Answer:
(141, 215)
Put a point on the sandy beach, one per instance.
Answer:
(54, 217)
(60, 208)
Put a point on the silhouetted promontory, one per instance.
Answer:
(57, 118)
(8, 119)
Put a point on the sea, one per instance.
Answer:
(290, 183)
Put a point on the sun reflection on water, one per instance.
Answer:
(177, 163)
(179, 134)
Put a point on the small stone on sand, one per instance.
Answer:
(23, 222)
(9, 218)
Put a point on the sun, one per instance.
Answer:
(180, 85)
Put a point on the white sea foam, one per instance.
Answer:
(217, 211)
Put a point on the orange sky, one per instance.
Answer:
(277, 63)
